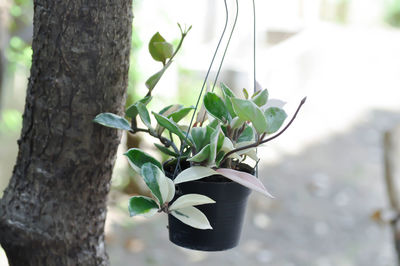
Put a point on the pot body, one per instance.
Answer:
(226, 216)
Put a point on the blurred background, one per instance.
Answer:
(326, 172)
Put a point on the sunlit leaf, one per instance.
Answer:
(192, 217)
(275, 118)
(244, 179)
(159, 49)
(190, 200)
(194, 173)
(112, 120)
(249, 111)
(164, 49)
(260, 98)
(202, 155)
(171, 190)
(245, 93)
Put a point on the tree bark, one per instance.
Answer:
(54, 208)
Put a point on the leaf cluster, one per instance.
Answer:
(235, 127)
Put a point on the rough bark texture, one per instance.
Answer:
(53, 211)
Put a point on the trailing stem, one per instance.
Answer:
(261, 139)
(166, 142)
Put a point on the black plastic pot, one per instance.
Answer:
(225, 216)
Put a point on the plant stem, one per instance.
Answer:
(183, 35)
(261, 139)
(166, 142)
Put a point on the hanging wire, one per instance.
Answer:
(227, 45)
(177, 167)
(223, 56)
(254, 47)
(254, 65)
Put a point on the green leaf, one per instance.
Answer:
(275, 118)
(171, 190)
(213, 124)
(245, 93)
(228, 94)
(260, 98)
(137, 158)
(132, 110)
(227, 91)
(159, 49)
(199, 137)
(194, 173)
(236, 123)
(249, 111)
(244, 179)
(170, 109)
(140, 205)
(192, 217)
(250, 152)
(214, 145)
(164, 49)
(112, 120)
(216, 107)
(154, 79)
(181, 113)
(190, 200)
(202, 155)
(247, 134)
(144, 114)
(166, 111)
(166, 150)
(171, 126)
(151, 175)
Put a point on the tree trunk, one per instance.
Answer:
(54, 209)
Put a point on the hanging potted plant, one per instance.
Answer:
(205, 185)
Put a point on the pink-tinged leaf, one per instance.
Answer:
(244, 179)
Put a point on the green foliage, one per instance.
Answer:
(237, 126)
(249, 111)
(260, 98)
(112, 120)
(275, 118)
(160, 49)
(10, 121)
(18, 53)
(137, 158)
(172, 127)
(151, 175)
(392, 13)
(140, 205)
(216, 107)
(154, 79)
